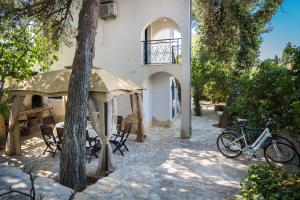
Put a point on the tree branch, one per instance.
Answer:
(268, 9)
(56, 13)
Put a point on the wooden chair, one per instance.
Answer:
(119, 140)
(48, 121)
(60, 135)
(92, 145)
(49, 139)
(119, 122)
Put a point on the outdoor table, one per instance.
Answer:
(23, 115)
(89, 128)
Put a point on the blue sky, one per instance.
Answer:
(286, 28)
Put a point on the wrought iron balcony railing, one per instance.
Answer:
(167, 51)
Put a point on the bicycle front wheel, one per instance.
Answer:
(279, 152)
(229, 144)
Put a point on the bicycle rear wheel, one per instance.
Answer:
(279, 152)
(229, 144)
(284, 140)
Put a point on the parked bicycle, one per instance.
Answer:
(251, 133)
(233, 142)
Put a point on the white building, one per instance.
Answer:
(148, 42)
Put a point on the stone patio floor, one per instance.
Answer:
(163, 167)
(168, 167)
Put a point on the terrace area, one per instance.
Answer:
(163, 167)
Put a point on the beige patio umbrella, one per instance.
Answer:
(104, 86)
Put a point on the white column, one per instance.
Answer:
(186, 80)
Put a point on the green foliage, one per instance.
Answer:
(24, 47)
(211, 81)
(230, 30)
(214, 50)
(217, 31)
(4, 109)
(199, 78)
(271, 91)
(269, 182)
(54, 16)
(226, 45)
(218, 88)
(276, 60)
(251, 17)
(295, 60)
(287, 54)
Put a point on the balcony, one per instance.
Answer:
(166, 51)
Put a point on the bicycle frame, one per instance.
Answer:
(258, 142)
(247, 149)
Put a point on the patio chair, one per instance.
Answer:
(119, 140)
(60, 135)
(49, 139)
(48, 121)
(119, 122)
(93, 145)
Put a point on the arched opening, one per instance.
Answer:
(37, 101)
(162, 42)
(161, 99)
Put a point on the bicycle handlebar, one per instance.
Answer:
(267, 123)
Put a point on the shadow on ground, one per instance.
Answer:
(163, 167)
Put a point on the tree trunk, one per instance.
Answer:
(197, 98)
(225, 118)
(72, 159)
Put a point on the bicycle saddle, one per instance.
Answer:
(242, 120)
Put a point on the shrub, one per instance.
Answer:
(271, 91)
(269, 182)
(4, 111)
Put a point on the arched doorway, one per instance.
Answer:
(161, 99)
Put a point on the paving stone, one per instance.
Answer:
(163, 167)
(18, 180)
(154, 197)
(166, 167)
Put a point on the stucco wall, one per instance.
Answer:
(27, 103)
(119, 48)
(164, 28)
(57, 105)
(157, 99)
(118, 41)
(161, 96)
(147, 100)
